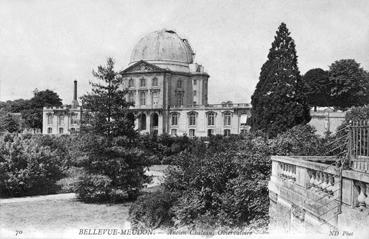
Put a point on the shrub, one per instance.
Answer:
(124, 166)
(94, 188)
(26, 168)
(300, 140)
(152, 210)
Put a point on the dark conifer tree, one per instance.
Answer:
(278, 102)
(107, 111)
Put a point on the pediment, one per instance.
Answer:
(142, 66)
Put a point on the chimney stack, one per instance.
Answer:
(75, 101)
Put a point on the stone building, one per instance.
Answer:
(170, 91)
(62, 120)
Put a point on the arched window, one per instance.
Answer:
(155, 81)
(49, 119)
(61, 120)
(174, 120)
(131, 83)
(211, 118)
(227, 119)
(61, 130)
(142, 82)
(49, 130)
(142, 98)
(192, 120)
(131, 97)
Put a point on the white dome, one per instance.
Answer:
(165, 49)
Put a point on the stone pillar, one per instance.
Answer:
(160, 123)
(148, 120)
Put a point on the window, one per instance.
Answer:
(74, 118)
(192, 119)
(61, 130)
(179, 84)
(194, 93)
(49, 119)
(72, 130)
(227, 119)
(155, 98)
(142, 98)
(243, 131)
(192, 133)
(173, 132)
(243, 119)
(194, 103)
(155, 82)
(142, 82)
(131, 97)
(210, 132)
(174, 119)
(131, 83)
(211, 118)
(227, 132)
(179, 98)
(49, 130)
(195, 82)
(61, 120)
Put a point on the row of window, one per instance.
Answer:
(192, 132)
(154, 82)
(60, 118)
(210, 119)
(143, 96)
(61, 130)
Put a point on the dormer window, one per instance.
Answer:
(142, 82)
(155, 82)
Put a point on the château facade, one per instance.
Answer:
(169, 91)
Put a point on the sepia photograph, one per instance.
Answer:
(184, 118)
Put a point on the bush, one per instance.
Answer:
(152, 210)
(94, 188)
(300, 140)
(26, 168)
(124, 166)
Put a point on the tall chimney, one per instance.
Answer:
(75, 101)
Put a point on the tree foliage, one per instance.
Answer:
(279, 102)
(349, 84)
(8, 123)
(107, 110)
(317, 87)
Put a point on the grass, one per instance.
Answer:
(62, 215)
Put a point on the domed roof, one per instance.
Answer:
(163, 48)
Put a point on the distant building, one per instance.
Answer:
(62, 120)
(170, 91)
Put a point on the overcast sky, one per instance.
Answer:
(47, 44)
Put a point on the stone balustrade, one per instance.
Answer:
(287, 171)
(322, 182)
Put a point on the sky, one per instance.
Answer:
(47, 44)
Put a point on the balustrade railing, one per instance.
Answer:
(322, 182)
(362, 200)
(358, 146)
(287, 171)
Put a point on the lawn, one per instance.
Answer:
(62, 215)
(65, 215)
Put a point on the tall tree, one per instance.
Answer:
(350, 84)
(278, 102)
(107, 110)
(317, 87)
